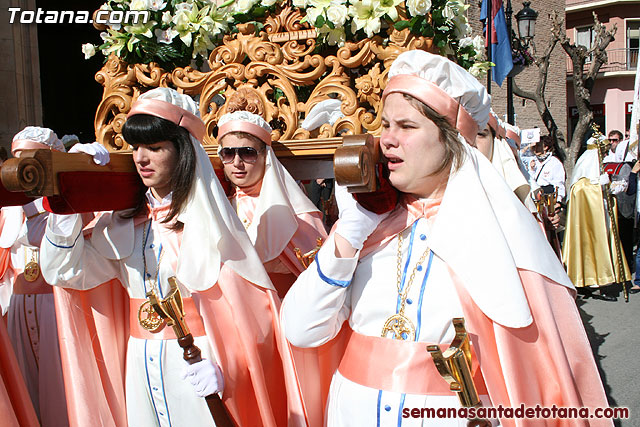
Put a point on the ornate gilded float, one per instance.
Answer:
(270, 59)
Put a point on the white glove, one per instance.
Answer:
(97, 150)
(205, 377)
(355, 223)
(618, 187)
(604, 179)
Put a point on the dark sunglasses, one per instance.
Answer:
(247, 154)
(614, 140)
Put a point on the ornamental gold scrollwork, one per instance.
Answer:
(280, 73)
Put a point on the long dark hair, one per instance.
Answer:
(146, 129)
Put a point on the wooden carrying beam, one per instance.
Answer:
(73, 183)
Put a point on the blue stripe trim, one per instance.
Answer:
(158, 267)
(146, 369)
(166, 404)
(64, 247)
(406, 265)
(424, 285)
(144, 248)
(332, 282)
(378, 413)
(400, 409)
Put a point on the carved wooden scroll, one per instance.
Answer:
(35, 171)
(114, 186)
(275, 74)
(354, 163)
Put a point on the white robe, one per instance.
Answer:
(31, 318)
(366, 303)
(550, 172)
(156, 394)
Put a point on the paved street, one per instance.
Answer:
(614, 332)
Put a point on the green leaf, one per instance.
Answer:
(319, 21)
(130, 44)
(259, 11)
(401, 25)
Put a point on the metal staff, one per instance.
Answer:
(607, 200)
(170, 309)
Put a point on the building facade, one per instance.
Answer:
(526, 113)
(612, 96)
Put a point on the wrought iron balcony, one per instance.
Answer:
(618, 60)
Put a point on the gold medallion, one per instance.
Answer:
(31, 271)
(148, 318)
(399, 327)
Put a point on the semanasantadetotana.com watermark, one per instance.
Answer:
(41, 16)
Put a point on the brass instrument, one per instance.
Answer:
(455, 366)
(171, 310)
(607, 199)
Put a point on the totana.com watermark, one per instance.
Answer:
(110, 17)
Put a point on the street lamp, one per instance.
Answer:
(526, 19)
(526, 23)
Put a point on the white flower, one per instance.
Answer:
(89, 50)
(464, 42)
(389, 7)
(312, 14)
(166, 17)
(321, 4)
(478, 43)
(165, 36)
(183, 7)
(479, 69)
(418, 7)
(141, 29)
(243, 6)
(335, 36)
(337, 14)
(202, 45)
(366, 16)
(156, 5)
(268, 2)
(302, 4)
(139, 5)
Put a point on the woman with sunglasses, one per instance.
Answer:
(278, 216)
(123, 365)
(458, 243)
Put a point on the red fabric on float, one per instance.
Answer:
(82, 191)
(94, 191)
(10, 198)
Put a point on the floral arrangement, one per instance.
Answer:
(178, 32)
(520, 54)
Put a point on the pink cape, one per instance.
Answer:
(93, 331)
(16, 408)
